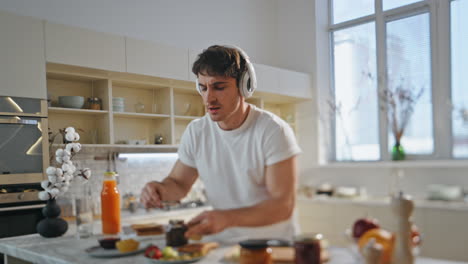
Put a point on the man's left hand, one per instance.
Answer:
(207, 223)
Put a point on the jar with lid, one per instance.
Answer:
(255, 252)
(175, 235)
(307, 248)
(94, 103)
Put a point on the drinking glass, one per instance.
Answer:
(84, 213)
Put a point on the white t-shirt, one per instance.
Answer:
(231, 165)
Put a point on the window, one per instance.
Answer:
(390, 4)
(409, 67)
(385, 48)
(356, 109)
(459, 44)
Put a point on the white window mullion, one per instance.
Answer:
(381, 78)
(440, 40)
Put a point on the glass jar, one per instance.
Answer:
(95, 103)
(255, 252)
(175, 235)
(307, 248)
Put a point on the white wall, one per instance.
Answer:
(249, 24)
(296, 35)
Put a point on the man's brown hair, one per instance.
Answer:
(220, 61)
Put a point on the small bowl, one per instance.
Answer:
(108, 243)
(71, 101)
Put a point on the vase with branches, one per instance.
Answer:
(399, 103)
(59, 177)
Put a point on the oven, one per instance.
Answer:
(23, 145)
(24, 157)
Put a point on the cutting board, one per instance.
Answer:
(279, 254)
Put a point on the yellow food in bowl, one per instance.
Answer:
(127, 245)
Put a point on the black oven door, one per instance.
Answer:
(22, 150)
(20, 219)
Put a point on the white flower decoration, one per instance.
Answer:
(59, 178)
(70, 136)
(45, 195)
(51, 170)
(59, 172)
(70, 130)
(52, 178)
(46, 185)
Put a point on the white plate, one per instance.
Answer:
(160, 261)
(99, 252)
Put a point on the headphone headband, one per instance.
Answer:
(248, 79)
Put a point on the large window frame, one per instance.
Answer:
(439, 17)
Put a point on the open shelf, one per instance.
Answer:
(140, 115)
(187, 117)
(153, 107)
(63, 110)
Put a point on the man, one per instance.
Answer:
(245, 156)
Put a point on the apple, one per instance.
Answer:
(153, 252)
(362, 225)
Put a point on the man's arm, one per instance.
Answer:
(172, 188)
(280, 182)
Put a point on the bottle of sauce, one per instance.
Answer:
(110, 205)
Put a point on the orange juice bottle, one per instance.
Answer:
(110, 204)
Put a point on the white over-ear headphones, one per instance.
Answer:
(248, 79)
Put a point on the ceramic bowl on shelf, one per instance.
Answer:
(71, 101)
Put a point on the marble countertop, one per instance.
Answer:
(70, 250)
(382, 201)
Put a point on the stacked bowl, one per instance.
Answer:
(118, 104)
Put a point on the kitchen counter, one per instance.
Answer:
(69, 250)
(385, 201)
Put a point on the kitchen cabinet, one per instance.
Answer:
(22, 67)
(82, 47)
(267, 78)
(280, 81)
(148, 58)
(152, 106)
(296, 84)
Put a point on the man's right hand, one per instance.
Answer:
(152, 195)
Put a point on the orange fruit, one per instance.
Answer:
(382, 237)
(127, 245)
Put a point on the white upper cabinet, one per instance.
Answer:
(86, 48)
(295, 84)
(149, 58)
(267, 78)
(22, 62)
(280, 81)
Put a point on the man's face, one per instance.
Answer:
(220, 96)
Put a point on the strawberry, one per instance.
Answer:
(153, 252)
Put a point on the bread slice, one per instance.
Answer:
(200, 248)
(148, 229)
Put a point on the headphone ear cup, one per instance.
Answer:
(244, 85)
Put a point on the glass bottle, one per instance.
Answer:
(110, 204)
